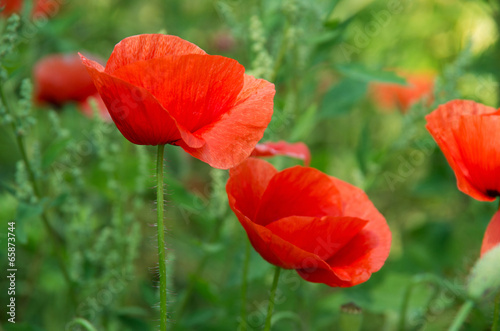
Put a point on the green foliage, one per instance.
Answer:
(67, 176)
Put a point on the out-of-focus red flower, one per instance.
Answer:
(492, 234)
(223, 41)
(45, 8)
(300, 218)
(296, 150)
(87, 109)
(468, 134)
(61, 78)
(162, 89)
(392, 96)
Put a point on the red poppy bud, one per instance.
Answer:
(302, 219)
(162, 89)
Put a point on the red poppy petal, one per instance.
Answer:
(441, 123)
(136, 113)
(247, 182)
(296, 150)
(147, 47)
(299, 191)
(369, 250)
(477, 139)
(277, 251)
(322, 236)
(354, 262)
(196, 90)
(231, 140)
(492, 234)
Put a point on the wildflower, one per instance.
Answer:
(162, 89)
(302, 219)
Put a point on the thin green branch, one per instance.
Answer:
(462, 315)
(243, 323)
(272, 295)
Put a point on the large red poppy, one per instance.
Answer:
(162, 89)
(468, 134)
(296, 150)
(60, 78)
(300, 218)
(392, 96)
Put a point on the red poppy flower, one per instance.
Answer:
(164, 90)
(302, 219)
(61, 78)
(45, 8)
(296, 150)
(87, 109)
(492, 235)
(391, 96)
(468, 134)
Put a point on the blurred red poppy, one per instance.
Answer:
(45, 8)
(468, 134)
(162, 89)
(492, 234)
(87, 109)
(296, 150)
(392, 96)
(61, 78)
(300, 218)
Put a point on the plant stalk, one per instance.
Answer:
(462, 315)
(161, 238)
(270, 308)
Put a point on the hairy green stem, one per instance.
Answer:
(270, 308)
(496, 314)
(243, 323)
(462, 315)
(161, 238)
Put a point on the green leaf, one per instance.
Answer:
(304, 124)
(364, 74)
(53, 152)
(484, 280)
(25, 213)
(342, 97)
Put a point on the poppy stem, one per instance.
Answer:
(496, 314)
(270, 308)
(161, 238)
(243, 323)
(462, 315)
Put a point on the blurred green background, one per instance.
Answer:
(323, 56)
